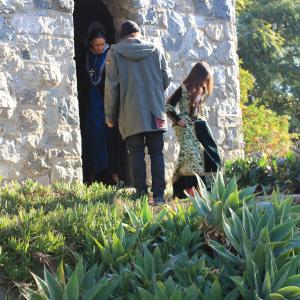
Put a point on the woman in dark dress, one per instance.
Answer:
(105, 156)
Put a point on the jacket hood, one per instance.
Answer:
(134, 49)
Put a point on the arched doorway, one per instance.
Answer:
(85, 13)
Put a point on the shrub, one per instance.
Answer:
(265, 132)
(268, 173)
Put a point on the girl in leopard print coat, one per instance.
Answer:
(185, 108)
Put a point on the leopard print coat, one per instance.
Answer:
(191, 155)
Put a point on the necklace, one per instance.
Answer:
(96, 77)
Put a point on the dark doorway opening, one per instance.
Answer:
(87, 12)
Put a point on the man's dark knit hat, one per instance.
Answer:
(129, 27)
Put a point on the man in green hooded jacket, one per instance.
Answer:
(136, 78)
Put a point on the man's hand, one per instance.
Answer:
(110, 124)
(182, 123)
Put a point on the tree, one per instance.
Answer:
(265, 132)
(269, 38)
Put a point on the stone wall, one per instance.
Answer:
(39, 119)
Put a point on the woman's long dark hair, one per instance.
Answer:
(198, 83)
(200, 76)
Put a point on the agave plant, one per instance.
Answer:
(169, 290)
(180, 232)
(263, 224)
(261, 254)
(191, 270)
(148, 266)
(268, 279)
(150, 269)
(116, 250)
(211, 205)
(81, 285)
(144, 220)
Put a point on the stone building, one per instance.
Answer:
(40, 134)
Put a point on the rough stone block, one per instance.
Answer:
(215, 31)
(200, 22)
(229, 32)
(218, 134)
(31, 141)
(218, 96)
(65, 174)
(10, 60)
(164, 3)
(41, 75)
(228, 107)
(173, 40)
(31, 97)
(7, 105)
(9, 151)
(219, 75)
(211, 117)
(7, 101)
(10, 6)
(7, 32)
(49, 24)
(68, 110)
(63, 5)
(61, 138)
(147, 17)
(31, 120)
(232, 74)
(194, 43)
(219, 9)
(234, 138)
(42, 4)
(229, 121)
(44, 180)
(37, 163)
(233, 91)
(226, 53)
(205, 50)
(136, 4)
(4, 173)
(27, 23)
(185, 7)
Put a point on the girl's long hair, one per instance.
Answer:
(200, 76)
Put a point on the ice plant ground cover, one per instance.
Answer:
(74, 242)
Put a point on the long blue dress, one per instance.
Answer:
(96, 130)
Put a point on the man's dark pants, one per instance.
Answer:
(136, 150)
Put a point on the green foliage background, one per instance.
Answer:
(269, 36)
(265, 132)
